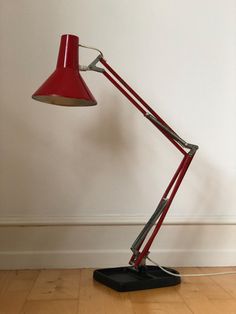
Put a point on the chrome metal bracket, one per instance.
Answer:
(93, 65)
(193, 148)
(139, 240)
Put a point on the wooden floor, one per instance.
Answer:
(75, 292)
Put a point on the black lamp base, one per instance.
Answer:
(127, 279)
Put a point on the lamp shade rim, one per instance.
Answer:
(64, 101)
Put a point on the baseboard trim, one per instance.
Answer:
(111, 258)
(48, 220)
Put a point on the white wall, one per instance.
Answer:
(107, 164)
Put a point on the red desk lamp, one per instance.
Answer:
(66, 87)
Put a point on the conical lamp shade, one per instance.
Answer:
(65, 86)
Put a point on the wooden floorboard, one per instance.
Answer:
(75, 292)
(56, 285)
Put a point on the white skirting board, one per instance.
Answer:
(109, 258)
(123, 220)
(81, 246)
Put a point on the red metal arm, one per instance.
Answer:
(139, 256)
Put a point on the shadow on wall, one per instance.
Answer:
(113, 130)
(110, 145)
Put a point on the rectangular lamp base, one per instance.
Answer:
(128, 279)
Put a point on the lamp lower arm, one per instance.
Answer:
(139, 257)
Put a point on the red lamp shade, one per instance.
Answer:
(65, 86)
